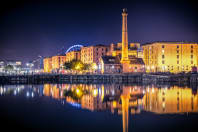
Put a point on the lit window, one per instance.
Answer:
(163, 99)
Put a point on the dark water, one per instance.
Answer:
(98, 108)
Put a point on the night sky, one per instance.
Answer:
(31, 27)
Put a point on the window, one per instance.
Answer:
(162, 46)
(163, 62)
(163, 56)
(177, 46)
(191, 46)
(191, 56)
(102, 49)
(111, 60)
(177, 56)
(191, 51)
(177, 51)
(191, 62)
(177, 62)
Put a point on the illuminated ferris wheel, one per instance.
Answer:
(74, 48)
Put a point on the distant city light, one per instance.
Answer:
(27, 94)
(32, 94)
(15, 92)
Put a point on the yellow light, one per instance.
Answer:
(114, 104)
(79, 92)
(78, 67)
(153, 90)
(94, 66)
(95, 92)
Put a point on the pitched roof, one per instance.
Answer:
(110, 60)
(135, 60)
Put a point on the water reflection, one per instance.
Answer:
(120, 99)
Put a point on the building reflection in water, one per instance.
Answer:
(131, 99)
(121, 99)
(170, 100)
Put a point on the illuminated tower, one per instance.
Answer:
(125, 58)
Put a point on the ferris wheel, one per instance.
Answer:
(74, 48)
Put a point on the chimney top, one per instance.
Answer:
(124, 10)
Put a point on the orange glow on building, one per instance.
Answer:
(116, 50)
(47, 63)
(92, 54)
(170, 56)
(58, 61)
(128, 54)
(54, 63)
(73, 55)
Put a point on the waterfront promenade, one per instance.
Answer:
(137, 78)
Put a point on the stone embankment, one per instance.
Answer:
(100, 78)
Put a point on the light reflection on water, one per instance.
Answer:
(121, 99)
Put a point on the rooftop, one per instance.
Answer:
(110, 60)
(97, 45)
(171, 42)
(135, 60)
